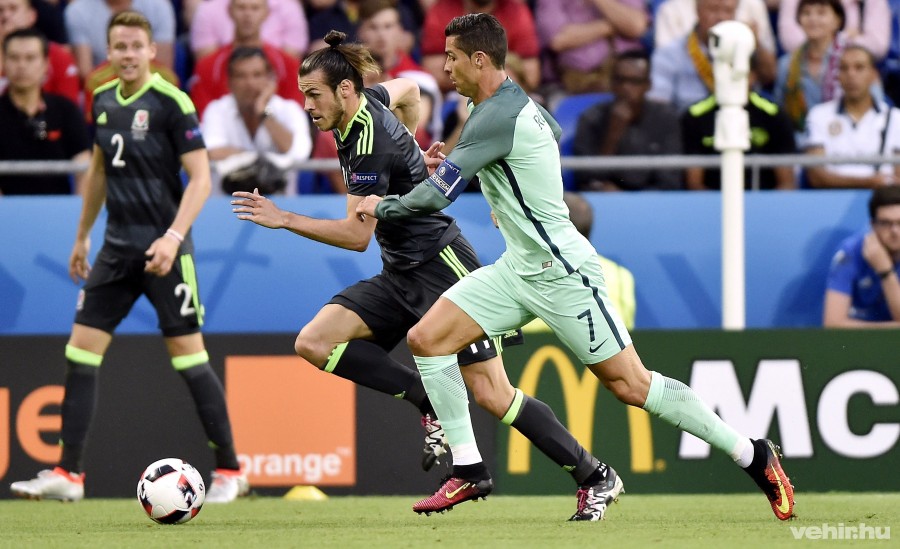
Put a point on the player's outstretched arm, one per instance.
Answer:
(423, 200)
(92, 200)
(348, 233)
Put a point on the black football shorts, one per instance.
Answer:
(117, 281)
(392, 302)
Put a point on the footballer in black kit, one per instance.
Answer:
(142, 139)
(423, 256)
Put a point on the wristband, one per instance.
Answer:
(175, 234)
(883, 275)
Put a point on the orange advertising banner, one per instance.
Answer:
(293, 424)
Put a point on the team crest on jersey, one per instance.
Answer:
(140, 124)
(101, 120)
(835, 128)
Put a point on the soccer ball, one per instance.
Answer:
(171, 491)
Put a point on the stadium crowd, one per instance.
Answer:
(829, 70)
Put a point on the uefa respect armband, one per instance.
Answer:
(448, 180)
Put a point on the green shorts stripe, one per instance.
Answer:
(189, 274)
(449, 257)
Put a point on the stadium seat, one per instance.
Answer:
(313, 183)
(566, 114)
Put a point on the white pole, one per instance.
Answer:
(733, 294)
(731, 43)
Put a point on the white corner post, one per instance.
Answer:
(731, 43)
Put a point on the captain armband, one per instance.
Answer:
(447, 179)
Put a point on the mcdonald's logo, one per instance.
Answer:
(580, 397)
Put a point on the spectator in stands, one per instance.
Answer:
(285, 27)
(380, 31)
(86, 22)
(809, 75)
(582, 37)
(61, 73)
(37, 125)
(857, 124)
(522, 62)
(252, 127)
(681, 72)
(344, 16)
(863, 289)
(867, 24)
(770, 133)
(676, 18)
(629, 125)
(210, 79)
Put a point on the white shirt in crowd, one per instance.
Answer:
(223, 126)
(828, 126)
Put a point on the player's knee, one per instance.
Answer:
(419, 341)
(311, 349)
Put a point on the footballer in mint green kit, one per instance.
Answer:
(548, 270)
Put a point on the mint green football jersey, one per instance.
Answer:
(511, 144)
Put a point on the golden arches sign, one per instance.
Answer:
(580, 397)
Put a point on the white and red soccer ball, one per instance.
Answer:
(171, 491)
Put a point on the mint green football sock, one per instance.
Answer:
(678, 404)
(447, 391)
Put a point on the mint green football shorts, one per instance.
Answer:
(576, 307)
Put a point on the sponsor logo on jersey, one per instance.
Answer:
(101, 119)
(193, 133)
(363, 178)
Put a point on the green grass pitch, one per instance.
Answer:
(501, 521)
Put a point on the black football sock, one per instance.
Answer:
(472, 472)
(539, 424)
(78, 407)
(760, 457)
(367, 364)
(209, 398)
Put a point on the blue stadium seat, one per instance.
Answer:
(313, 183)
(566, 114)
